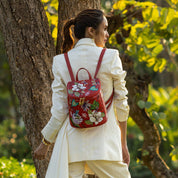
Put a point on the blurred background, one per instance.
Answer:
(152, 43)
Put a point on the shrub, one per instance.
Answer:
(13, 141)
(13, 168)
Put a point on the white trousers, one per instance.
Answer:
(103, 169)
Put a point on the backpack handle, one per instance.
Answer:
(85, 70)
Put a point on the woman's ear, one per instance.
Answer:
(90, 32)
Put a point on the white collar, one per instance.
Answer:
(85, 41)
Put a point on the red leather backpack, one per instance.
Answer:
(85, 101)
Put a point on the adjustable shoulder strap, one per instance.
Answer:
(69, 66)
(109, 101)
(99, 61)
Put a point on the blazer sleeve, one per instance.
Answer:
(59, 109)
(120, 91)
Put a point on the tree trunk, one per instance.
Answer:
(66, 10)
(138, 86)
(30, 49)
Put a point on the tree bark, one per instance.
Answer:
(30, 49)
(68, 9)
(138, 86)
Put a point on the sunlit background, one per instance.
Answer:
(152, 42)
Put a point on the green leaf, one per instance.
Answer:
(70, 91)
(94, 105)
(89, 112)
(156, 66)
(152, 43)
(155, 14)
(155, 115)
(151, 61)
(157, 50)
(174, 46)
(119, 5)
(164, 12)
(88, 122)
(74, 103)
(147, 104)
(141, 104)
(147, 13)
(54, 3)
(174, 152)
(102, 114)
(54, 33)
(76, 125)
(147, 4)
(162, 115)
(77, 94)
(162, 64)
(169, 17)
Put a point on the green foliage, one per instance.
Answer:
(152, 38)
(135, 142)
(164, 112)
(13, 168)
(162, 107)
(51, 7)
(13, 141)
(142, 104)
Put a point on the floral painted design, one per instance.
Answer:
(84, 115)
(95, 105)
(74, 103)
(94, 82)
(86, 105)
(95, 116)
(76, 118)
(86, 108)
(93, 88)
(78, 86)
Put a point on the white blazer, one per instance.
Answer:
(98, 143)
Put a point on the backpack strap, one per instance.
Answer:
(109, 101)
(99, 61)
(69, 67)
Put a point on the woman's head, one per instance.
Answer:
(90, 23)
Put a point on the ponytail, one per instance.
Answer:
(86, 18)
(68, 42)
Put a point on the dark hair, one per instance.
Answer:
(86, 18)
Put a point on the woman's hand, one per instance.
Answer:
(125, 152)
(41, 151)
(126, 155)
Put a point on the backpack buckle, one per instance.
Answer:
(81, 101)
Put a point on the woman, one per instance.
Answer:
(102, 148)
